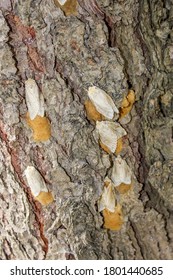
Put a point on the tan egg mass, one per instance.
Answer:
(91, 112)
(40, 126)
(69, 7)
(45, 198)
(119, 146)
(127, 104)
(123, 188)
(113, 220)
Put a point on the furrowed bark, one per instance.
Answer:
(117, 46)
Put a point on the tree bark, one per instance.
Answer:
(115, 45)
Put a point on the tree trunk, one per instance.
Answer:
(117, 46)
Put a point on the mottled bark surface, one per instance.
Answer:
(115, 45)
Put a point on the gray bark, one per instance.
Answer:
(114, 45)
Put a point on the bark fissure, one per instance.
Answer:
(15, 161)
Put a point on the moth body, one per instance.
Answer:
(121, 172)
(62, 2)
(34, 100)
(107, 199)
(103, 102)
(110, 133)
(35, 181)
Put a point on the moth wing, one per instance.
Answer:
(62, 2)
(119, 130)
(104, 108)
(103, 102)
(121, 172)
(101, 204)
(35, 181)
(41, 107)
(107, 199)
(114, 107)
(32, 98)
(107, 134)
(110, 199)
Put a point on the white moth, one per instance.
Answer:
(34, 100)
(121, 172)
(107, 199)
(103, 102)
(109, 133)
(35, 181)
(62, 2)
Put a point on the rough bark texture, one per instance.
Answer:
(114, 45)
